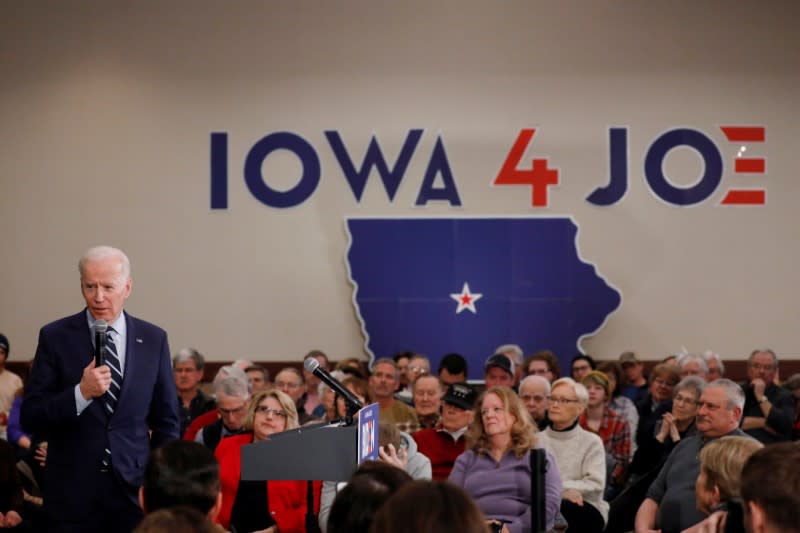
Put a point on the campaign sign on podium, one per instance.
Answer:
(368, 433)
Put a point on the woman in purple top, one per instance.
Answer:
(495, 469)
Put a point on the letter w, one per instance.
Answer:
(374, 158)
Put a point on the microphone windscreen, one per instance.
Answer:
(311, 364)
(100, 326)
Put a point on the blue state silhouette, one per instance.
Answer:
(535, 289)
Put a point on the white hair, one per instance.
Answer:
(323, 387)
(733, 392)
(580, 390)
(690, 357)
(536, 380)
(708, 355)
(232, 386)
(99, 253)
(513, 349)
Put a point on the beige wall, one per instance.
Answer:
(107, 109)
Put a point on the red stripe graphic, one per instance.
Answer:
(744, 133)
(745, 197)
(755, 165)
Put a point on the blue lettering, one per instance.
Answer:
(219, 170)
(374, 158)
(438, 165)
(618, 170)
(308, 181)
(689, 195)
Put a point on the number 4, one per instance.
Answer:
(539, 177)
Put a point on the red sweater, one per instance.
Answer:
(286, 500)
(438, 446)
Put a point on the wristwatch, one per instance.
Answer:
(763, 399)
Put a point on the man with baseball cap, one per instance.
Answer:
(10, 383)
(499, 369)
(635, 381)
(445, 442)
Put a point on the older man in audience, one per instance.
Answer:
(446, 442)
(291, 382)
(187, 367)
(427, 390)
(716, 368)
(233, 395)
(670, 502)
(768, 409)
(258, 378)
(418, 365)
(383, 383)
(311, 400)
(535, 393)
(692, 365)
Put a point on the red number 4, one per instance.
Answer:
(539, 177)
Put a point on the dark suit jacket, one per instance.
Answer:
(148, 401)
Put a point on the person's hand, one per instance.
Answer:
(271, 529)
(41, 454)
(715, 523)
(12, 519)
(95, 381)
(389, 454)
(24, 442)
(759, 386)
(674, 434)
(574, 496)
(664, 430)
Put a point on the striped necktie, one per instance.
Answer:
(111, 398)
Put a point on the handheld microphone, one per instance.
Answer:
(100, 327)
(312, 365)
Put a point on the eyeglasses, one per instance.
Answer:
(765, 368)
(534, 397)
(538, 371)
(287, 384)
(229, 412)
(558, 400)
(684, 400)
(266, 411)
(418, 369)
(581, 367)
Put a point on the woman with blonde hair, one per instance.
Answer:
(495, 468)
(719, 484)
(270, 506)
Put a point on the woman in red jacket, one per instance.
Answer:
(256, 506)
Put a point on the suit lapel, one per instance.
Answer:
(130, 355)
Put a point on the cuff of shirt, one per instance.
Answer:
(81, 403)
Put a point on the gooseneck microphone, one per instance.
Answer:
(312, 365)
(100, 327)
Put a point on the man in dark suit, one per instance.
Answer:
(99, 431)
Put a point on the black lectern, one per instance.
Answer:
(321, 452)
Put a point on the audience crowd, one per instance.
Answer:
(676, 448)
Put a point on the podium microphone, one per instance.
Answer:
(312, 365)
(100, 327)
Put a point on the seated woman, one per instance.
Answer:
(674, 425)
(495, 468)
(256, 506)
(598, 418)
(618, 402)
(580, 456)
(719, 484)
(663, 379)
